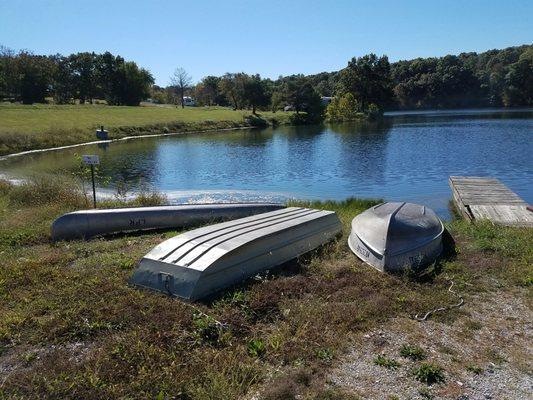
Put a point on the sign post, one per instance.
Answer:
(92, 160)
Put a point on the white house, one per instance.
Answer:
(189, 101)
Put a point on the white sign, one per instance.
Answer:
(90, 159)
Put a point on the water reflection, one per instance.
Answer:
(363, 150)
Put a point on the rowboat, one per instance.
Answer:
(89, 223)
(394, 236)
(206, 260)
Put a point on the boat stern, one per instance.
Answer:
(365, 253)
(171, 279)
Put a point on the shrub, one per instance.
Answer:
(298, 119)
(373, 111)
(146, 199)
(429, 373)
(43, 190)
(256, 121)
(344, 108)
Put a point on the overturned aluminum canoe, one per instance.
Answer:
(395, 236)
(205, 260)
(88, 223)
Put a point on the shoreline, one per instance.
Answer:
(70, 146)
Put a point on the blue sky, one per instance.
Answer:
(208, 37)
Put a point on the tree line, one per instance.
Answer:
(494, 78)
(243, 91)
(82, 77)
(370, 84)
(367, 85)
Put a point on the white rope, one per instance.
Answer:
(441, 309)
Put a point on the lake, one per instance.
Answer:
(407, 156)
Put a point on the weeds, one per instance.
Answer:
(389, 363)
(413, 352)
(207, 329)
(325, 355)
(475, 369)
(256, 347)
(425, 393)
(429, 373)
(139, 344)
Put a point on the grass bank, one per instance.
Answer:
(30, 127)
(71, 327)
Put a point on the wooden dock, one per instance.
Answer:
(487, 198)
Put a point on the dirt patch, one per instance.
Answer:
(20, 359)
(485, 353)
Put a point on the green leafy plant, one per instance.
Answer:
(415, 353)
(256, 347)
(429, 373)
(389, 363)
(206, 328)
(325, 354)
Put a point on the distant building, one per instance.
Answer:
(189, 101)
(326, 100)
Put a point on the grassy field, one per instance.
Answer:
(28, 127)
(71, 326)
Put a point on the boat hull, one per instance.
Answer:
(89, 223)
(393, 237)
(201, 262)
(415, 258)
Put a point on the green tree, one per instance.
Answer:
(64, 87)
(232, 85)
(83, 74)
(343, 108)
(212, 93)
(300, 94)
(255, 92)
(8, 74)
(368, 78)
(34, 77)
(131, 85)
(519, 81)
(276, 101)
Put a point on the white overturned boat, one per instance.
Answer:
(394, 236)
(205, 260)
(88, 223)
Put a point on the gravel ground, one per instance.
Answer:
(486, 353)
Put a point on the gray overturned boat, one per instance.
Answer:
(88, 223)
(395, 236)
(205, 260)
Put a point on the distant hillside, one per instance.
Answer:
(493, 78)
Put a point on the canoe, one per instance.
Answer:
(203, 261)
(89, 223)
(395, 236)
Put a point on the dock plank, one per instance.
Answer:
(487, 198)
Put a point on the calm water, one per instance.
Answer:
(405, 157)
